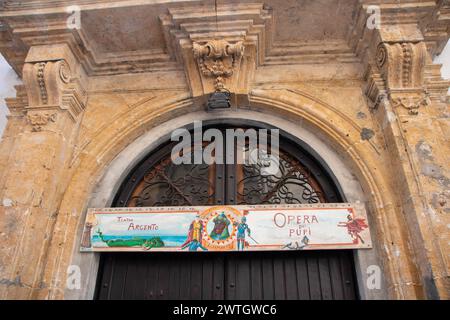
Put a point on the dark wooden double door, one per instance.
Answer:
(230, 276)
(244, 275)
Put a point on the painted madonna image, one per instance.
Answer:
(220, 230)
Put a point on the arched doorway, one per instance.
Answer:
(156, 181)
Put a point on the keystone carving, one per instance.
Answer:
(212, 50)
(217, 59)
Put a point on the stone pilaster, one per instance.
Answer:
(397, 89)
(35, 181)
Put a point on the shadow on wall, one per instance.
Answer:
(8, 79)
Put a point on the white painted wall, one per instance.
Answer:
(8, 79)
(444, 59)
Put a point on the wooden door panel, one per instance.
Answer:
(282, 275)
(291, 278)
(289, 275)
(175, 278)
(196, 278)
(256, 284)
(185, 278)
(219, 279)
(301, 271)
(207, 279)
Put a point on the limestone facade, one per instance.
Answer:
(372, 96)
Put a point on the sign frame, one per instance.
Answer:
(227, 228)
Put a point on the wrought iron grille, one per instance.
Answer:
(159, 182)
(292, 184)
(167, 184)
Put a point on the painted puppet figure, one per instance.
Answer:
(194, 240)
(242, 227)
(354, 227)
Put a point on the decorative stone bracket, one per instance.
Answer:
(53, 84)
(211, 47)
(399, 75)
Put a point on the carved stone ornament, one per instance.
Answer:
(401, 65)
(217, 59)
(381, 56)
(412, 103)
(44, 81)
(41, 82)
(40, 119)
(53, 84)
(64, 72)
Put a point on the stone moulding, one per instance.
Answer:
(41, 82)
(375, 89)
(26, 24)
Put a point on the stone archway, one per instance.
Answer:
(108, 153)
(268, 275)
(355, 160)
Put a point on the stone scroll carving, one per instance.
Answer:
(401, 65)
(44, 81)
(51, 88)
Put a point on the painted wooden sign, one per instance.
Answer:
(227, 228)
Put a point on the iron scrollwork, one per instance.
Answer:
(293, 184)
(167, 184)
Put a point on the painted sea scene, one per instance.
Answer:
(138, 231)
(131, 240)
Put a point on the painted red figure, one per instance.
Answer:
(354, 227)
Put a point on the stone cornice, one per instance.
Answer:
(30, 7)
(430, 18)
(30, 23)
(436, 28)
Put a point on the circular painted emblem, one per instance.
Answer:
(219, 225)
